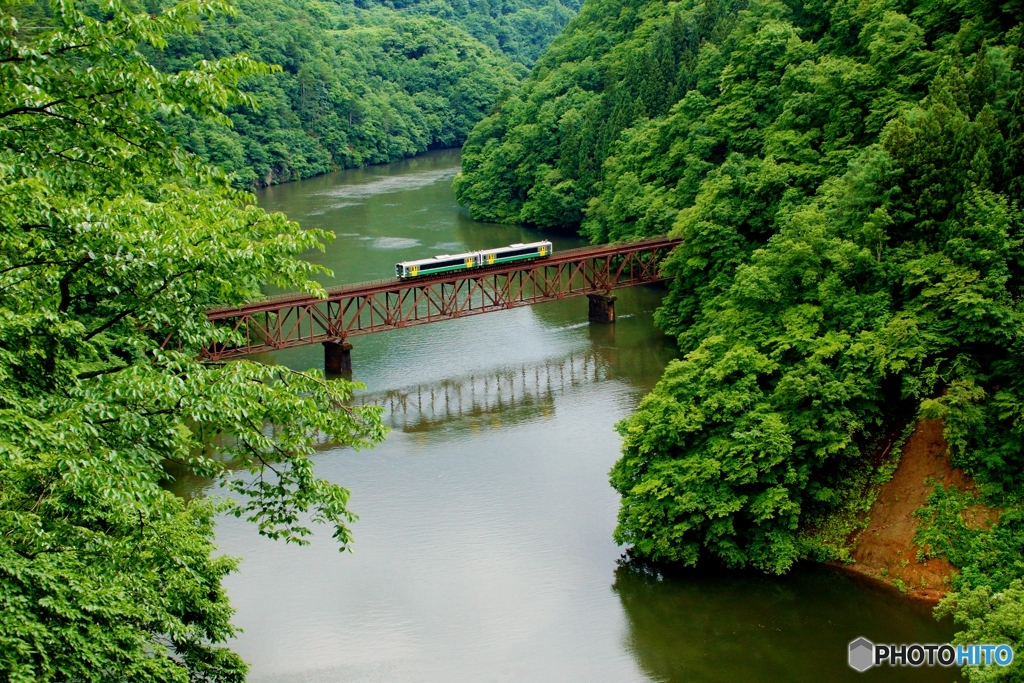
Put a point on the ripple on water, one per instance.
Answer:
(443, 247)
(394, 243)
(412, 181)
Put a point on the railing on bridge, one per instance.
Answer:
(296, 320)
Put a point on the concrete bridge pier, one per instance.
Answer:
(338, 357)
(602, 308)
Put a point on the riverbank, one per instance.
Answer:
(884, 551)
(272, 179)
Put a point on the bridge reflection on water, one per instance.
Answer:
(511, 393)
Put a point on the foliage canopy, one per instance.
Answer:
(114, 241)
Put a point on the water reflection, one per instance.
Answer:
(519, 392)
(690, 626)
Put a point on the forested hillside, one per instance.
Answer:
(847, 177)
(522, 29)
(359, 83)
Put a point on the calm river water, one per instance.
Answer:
(483, 551)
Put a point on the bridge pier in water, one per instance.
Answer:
(338, 357)
(602, 308)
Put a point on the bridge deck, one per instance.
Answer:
(289, 320)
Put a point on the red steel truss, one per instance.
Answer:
(299, 319)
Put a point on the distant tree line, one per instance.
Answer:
(360, 83)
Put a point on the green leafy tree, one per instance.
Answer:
(616, 65)
(113, 242)
(521, 29)
(828, 280)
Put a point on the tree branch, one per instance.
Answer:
(128, 311)
(65, 283)
(97, 373)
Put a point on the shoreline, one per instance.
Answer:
(883, 551)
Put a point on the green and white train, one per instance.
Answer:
(446, 263)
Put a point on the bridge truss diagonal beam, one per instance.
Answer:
(351, 310)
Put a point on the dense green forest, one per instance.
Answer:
(521, 29)
(846, 176)
(359, 83)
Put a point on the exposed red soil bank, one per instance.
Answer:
(885, 550)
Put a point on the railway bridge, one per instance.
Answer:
(290, 320)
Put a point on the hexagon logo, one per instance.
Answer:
(862, 654)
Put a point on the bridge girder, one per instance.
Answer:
(298, 320)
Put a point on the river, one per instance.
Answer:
(483, 551)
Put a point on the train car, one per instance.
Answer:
(438, 264)
(515, 252)
(446, 263)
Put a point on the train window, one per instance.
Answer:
(444, 264)
(521, 252)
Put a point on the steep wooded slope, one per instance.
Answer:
(846, 176)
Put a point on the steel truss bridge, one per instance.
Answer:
(290, 320)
